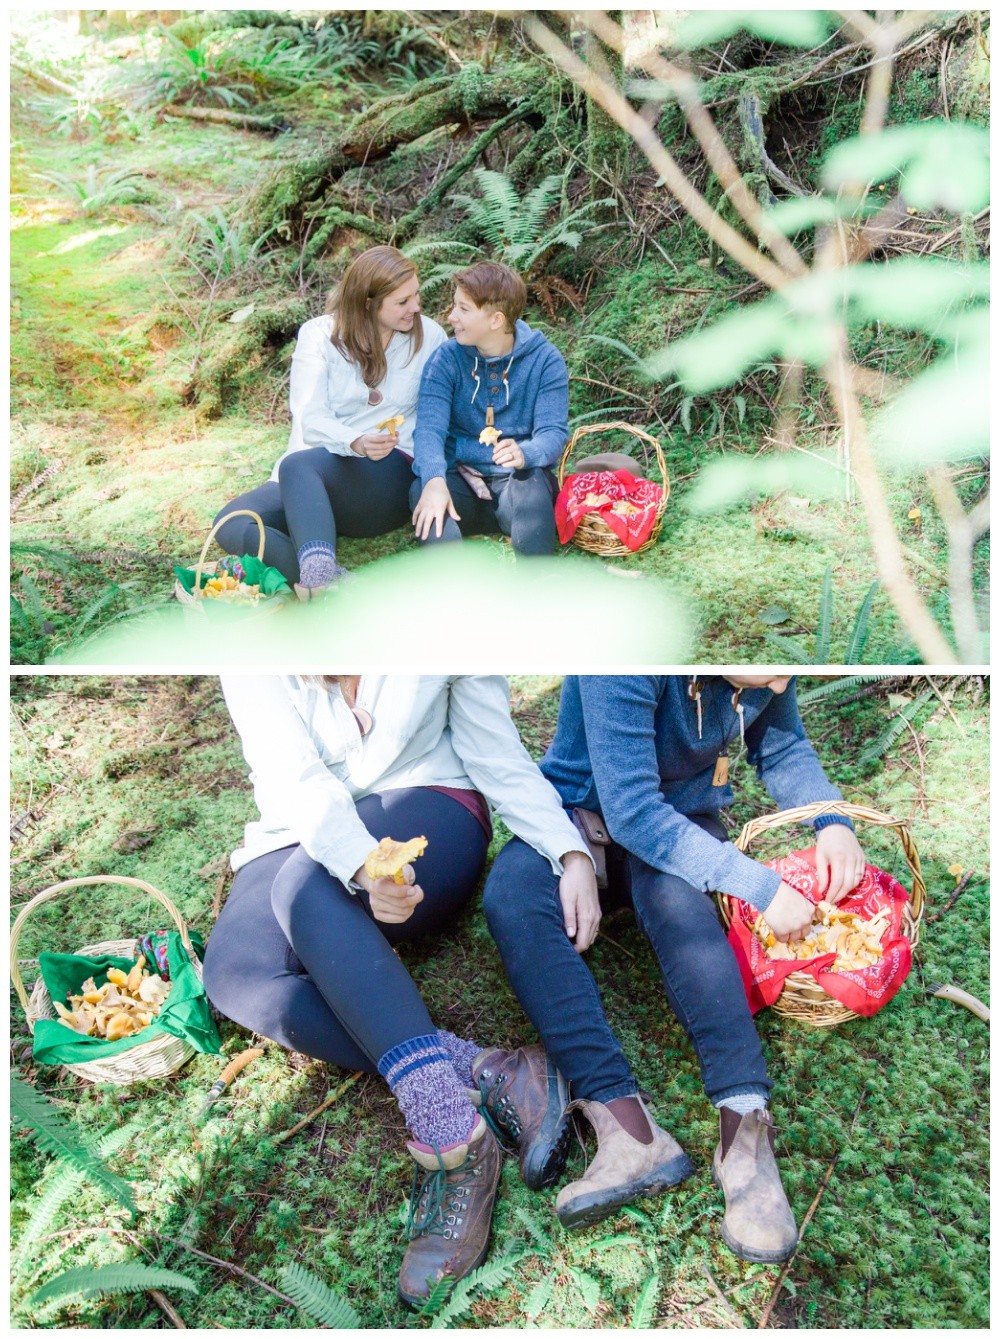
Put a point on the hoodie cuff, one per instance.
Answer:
(827, 820)
(740, 876)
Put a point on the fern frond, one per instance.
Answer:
(837, 686)
(498, 213)
(858, 639)
(536, 205)
(441, 244)
(319, 1302)
(481, 1280)
(54, 1134)
(540, 1296)
(127, 1278)
(795, 652)
(645, 1306)
(437, 1297)
(619, 345)
(66, 1183)
(881, 746)
(537, 1233)
(824, 627)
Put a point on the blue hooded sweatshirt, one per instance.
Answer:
(528, 389)
(628, 746)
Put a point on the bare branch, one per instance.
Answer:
(963, 531)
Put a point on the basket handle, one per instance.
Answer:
(586, 429)
(243, 511)
(47, 894)
(845, 810)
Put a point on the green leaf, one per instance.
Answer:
(792, 650)
(717, 356)
(790, 27)
(319, 1302)
(914, 291)
(858, 639)
(590, 1288)
(943, 414)
(774, 613)
(941, 164)
(645, 1306)
(791, 216)
(55, 1134)
(89, 1282)
(540, 1296)
(723, 483)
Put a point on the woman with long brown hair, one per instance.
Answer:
(304, 949)
(354, 370)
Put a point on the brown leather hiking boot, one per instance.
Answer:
(758, 1224)
(525, 1099)
(451, 1209)
(622, 1168)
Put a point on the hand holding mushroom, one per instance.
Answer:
(388, 879)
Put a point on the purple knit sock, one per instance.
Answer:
(434, 1103)
(318, 564)
(462, 1054)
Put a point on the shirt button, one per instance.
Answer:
(493, 376)
(493, 390)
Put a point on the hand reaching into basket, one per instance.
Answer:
(840, 861)
(789, 914)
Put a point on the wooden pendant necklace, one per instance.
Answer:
(720, 775)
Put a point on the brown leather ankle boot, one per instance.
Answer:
(451, 1210)
(525, 1098)
(758, 1224)
(622, 1168)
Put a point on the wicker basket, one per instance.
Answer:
(153, 1059)
(803, 997)
(593, 533)
(202, 568)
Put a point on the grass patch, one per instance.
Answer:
(144, 777)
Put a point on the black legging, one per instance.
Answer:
(520, 505)
(297, 958)
(324, 495)
(240, 535)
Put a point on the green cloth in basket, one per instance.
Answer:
(257, 573)
(186, 1013)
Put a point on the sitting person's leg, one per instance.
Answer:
(326, 495)
(526, 511)
(558, 993)
(241, 535)
(475, 514)
(706, 993)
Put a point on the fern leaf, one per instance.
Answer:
(590, 1288)
(54, 1134)
(881, 746)
(645, 1307)
(437, 1297)
(858, 639)
(498, 213)
(537, 1233)
(793, 650)
(540, 1296)
(319, 1302)
(538, 203)
(620, 346)
(61, 1187)
(481, 1280)
(127, 1278)
(837, 686)
(824, 628)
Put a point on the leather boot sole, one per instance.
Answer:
(753, 1254)
(545, 1159)
(416, 1302)
(598, 1204)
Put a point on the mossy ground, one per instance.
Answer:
(144, 777)
(111, 330)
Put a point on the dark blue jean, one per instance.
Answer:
(298, 958)
(558, 992)
(521, 505)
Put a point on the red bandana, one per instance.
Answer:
(627, 504)
(864, 991)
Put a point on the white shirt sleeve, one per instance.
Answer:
(290, 777)
(308, 397)
(486, 740)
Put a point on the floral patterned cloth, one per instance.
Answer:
(626, 503)
(864, 991)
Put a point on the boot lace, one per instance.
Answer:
(438, 1199)
(499, 1112)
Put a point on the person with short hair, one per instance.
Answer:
(354, 369)
(492, 420)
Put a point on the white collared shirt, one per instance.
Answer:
(309, 762)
